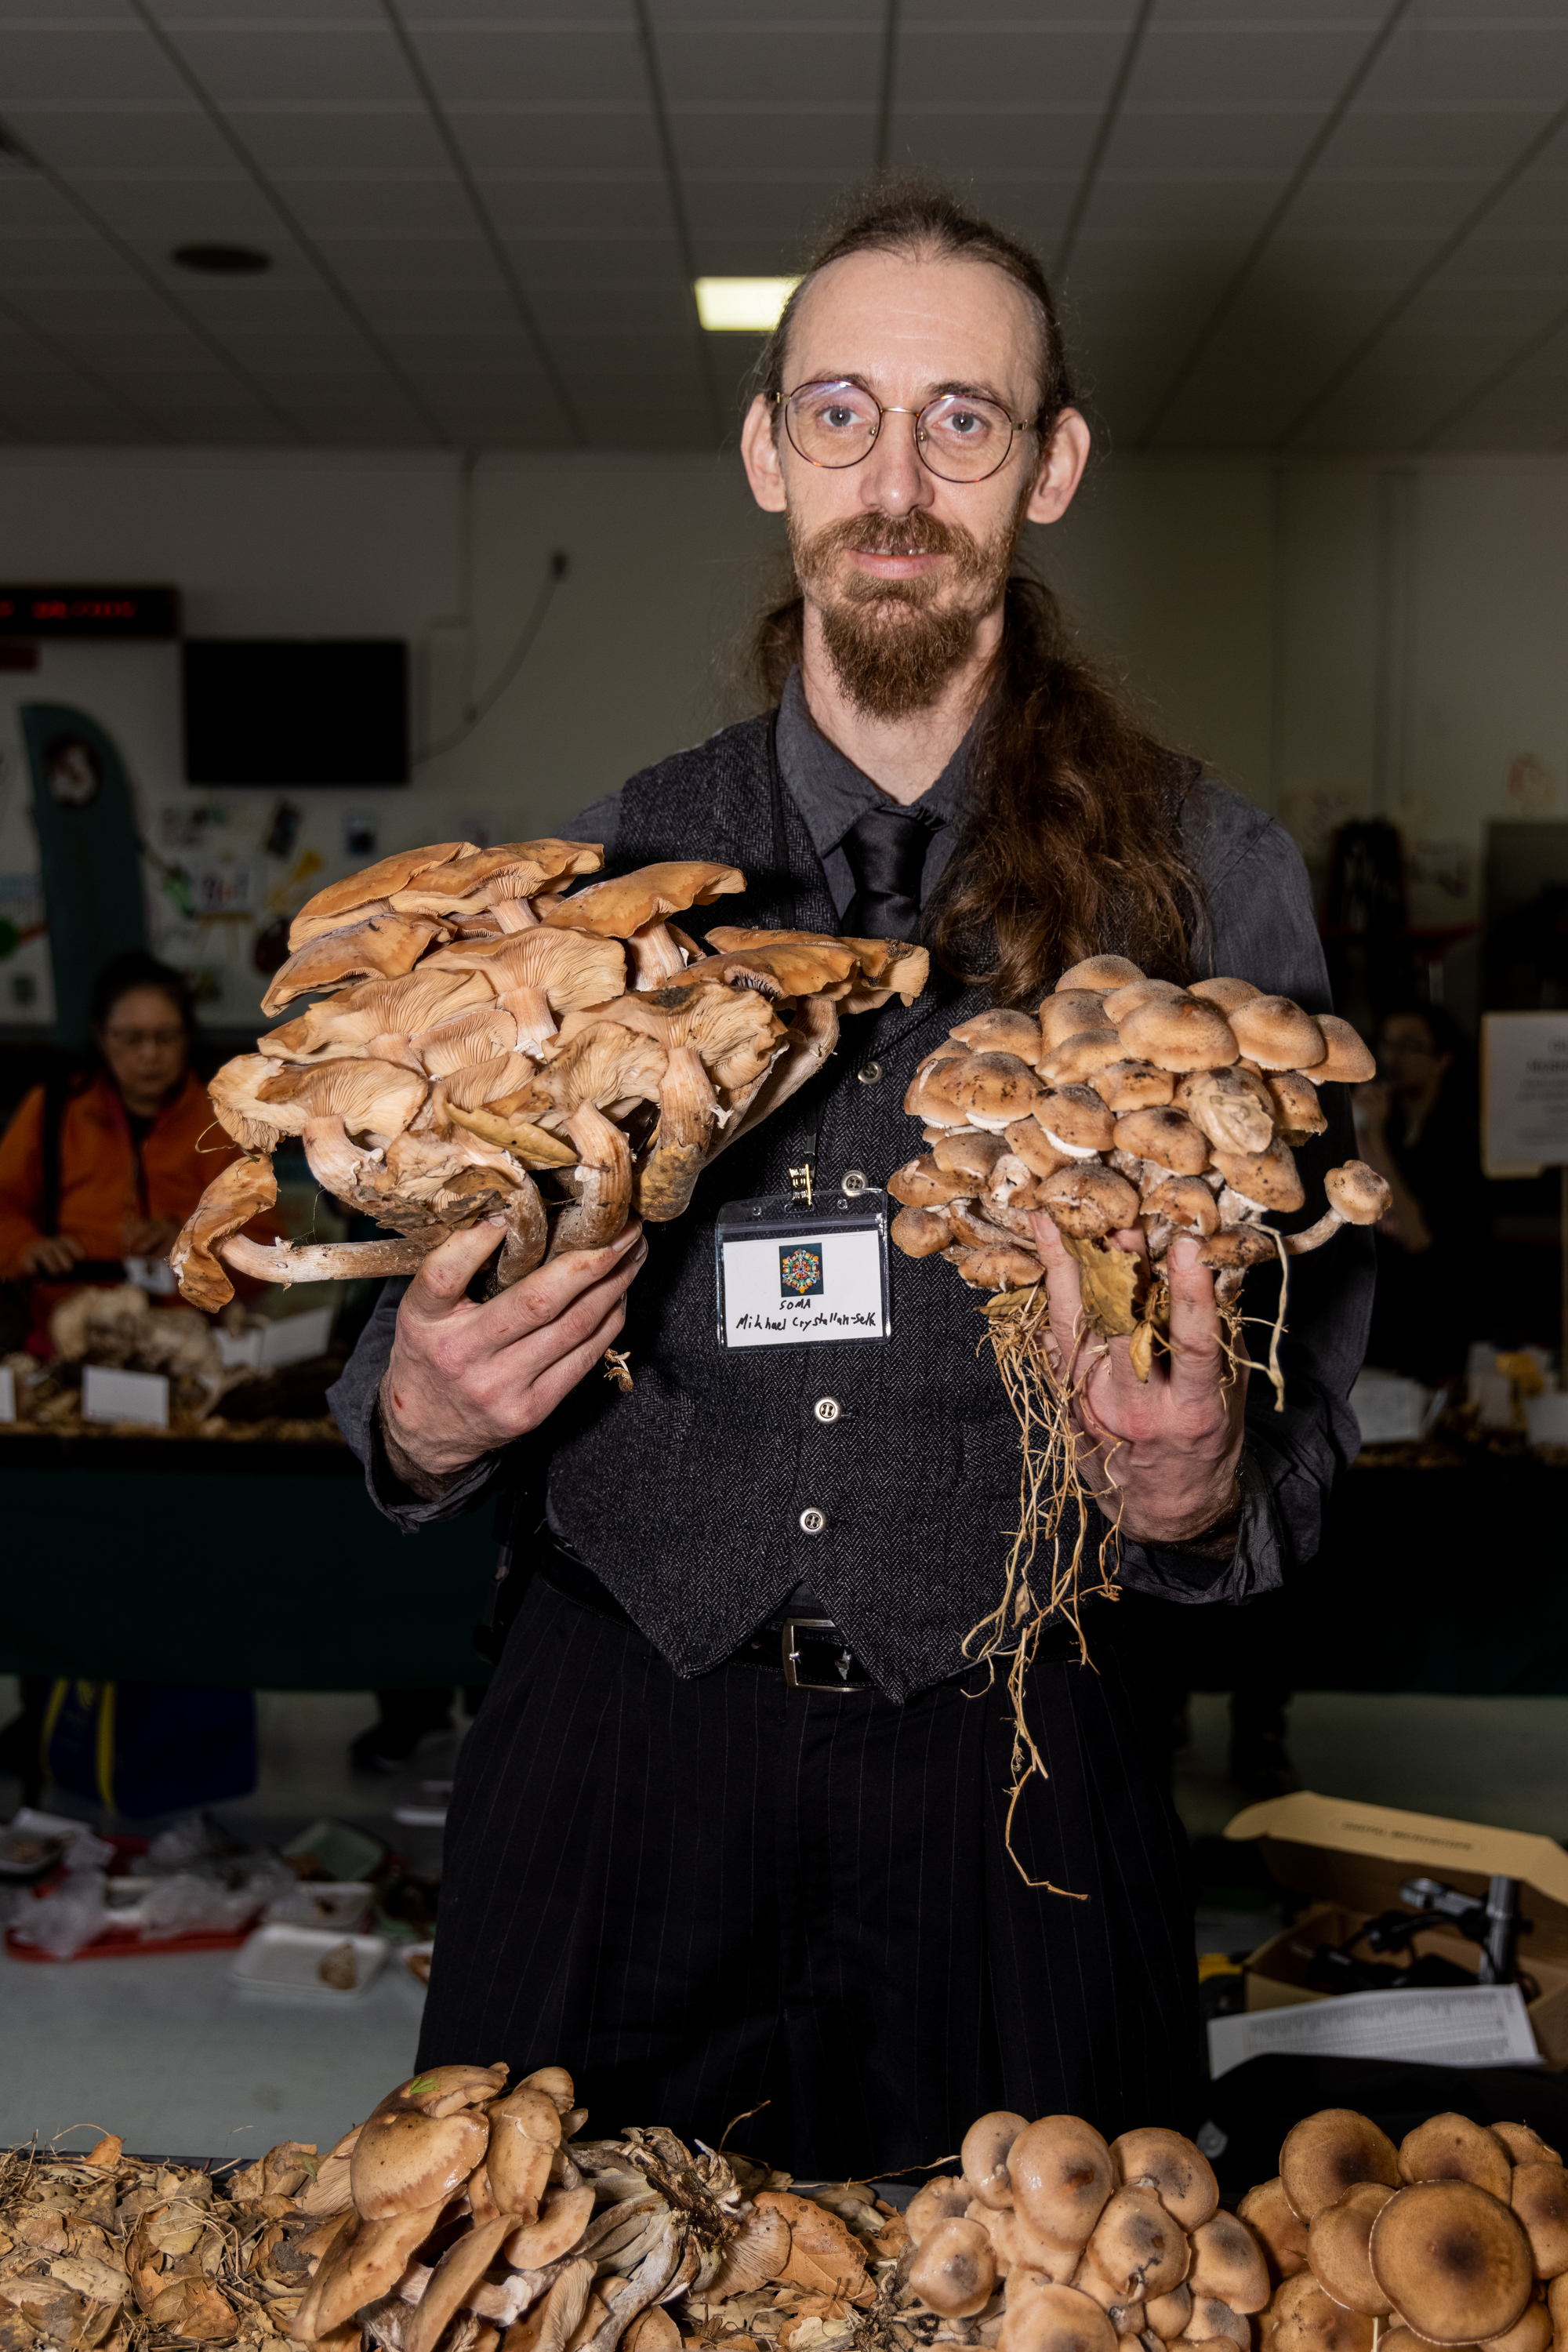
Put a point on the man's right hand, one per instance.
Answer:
(51, 1254)
(465, 1379)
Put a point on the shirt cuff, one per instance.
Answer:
(414, 1498)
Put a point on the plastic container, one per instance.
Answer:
(283, 1963)
(343, 1904)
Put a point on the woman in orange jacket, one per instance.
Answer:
(134, 1141)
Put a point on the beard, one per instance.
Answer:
(895, 644)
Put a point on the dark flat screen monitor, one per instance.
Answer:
(296, 711)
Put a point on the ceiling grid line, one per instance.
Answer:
(1500, 375)
(1241, 277)
(527, 318)
(1436, 261)
(296, 228)
(665, 137)
(10, 309)
(1109, 115)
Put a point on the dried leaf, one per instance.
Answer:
(1140, 1353)
(194, 2307)
(101, 2282)
(823, 2256)
(107, 2152)
(1109, 1280)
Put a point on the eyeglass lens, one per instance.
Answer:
(961, 440)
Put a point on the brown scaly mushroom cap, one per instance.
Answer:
(1186, 1203)
(1266, 2212)
(404, 2162)
(1531, 2332)
(781, 965)
(987, 1224)
(1214, 2322)
(562, 2218)
(946, 2198)
(1225, 993)
(920, 1233)
(1133, 1085)
(1056, 2319)
(343, 902)
(525, 2131)
(381, 948)
(1101, 973)
(1167, 2314)
(1453, 2262)
(1075, 1121)
(1347, 1061)
(1138, 2247)
(954, 2269)
(236, 1193)
(1451, 2148)
(1316, 2322)
(1069, 1014)
(1126, 2314)
(498, 882)
(1078, 1057)
(1227, 2260)
(1337, 2248)
(1121, 1002)
(994, 1089)
(1179, 1033)
(888, 968)
(1298, 1113)
(1524, 2146)
(624, 907)
(1359, 1193)
(969, 1151)
(1060, 2168)
(1233, 1108)
(363, 2261)
(1168, 1136)
(1238, 1245)
(1029, 1142)
(1000, 1032)
(921, 1185)
(1276, 1033)
(1088, 1202)
(1179, 2173)
(984, 2154)
(1267, 1181)
(932, 1093)
(1328, 2153)
(999, 1267)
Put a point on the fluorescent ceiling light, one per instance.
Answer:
(748, 306)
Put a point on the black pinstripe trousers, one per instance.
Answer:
(702, 1895)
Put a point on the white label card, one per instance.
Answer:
(1524, 1075)
(786, 1280)
(109, 1395)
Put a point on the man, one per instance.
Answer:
(699, 1886)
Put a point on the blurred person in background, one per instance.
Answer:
(1418, 1124)
(105, 1163)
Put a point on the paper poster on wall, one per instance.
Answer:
(1524, 1092)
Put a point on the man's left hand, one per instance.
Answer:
(1160, 1455)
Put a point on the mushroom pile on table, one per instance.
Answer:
(486, 1041)
(1127, 1105)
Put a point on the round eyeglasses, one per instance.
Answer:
(956, 438)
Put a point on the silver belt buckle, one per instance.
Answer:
(792, 1625)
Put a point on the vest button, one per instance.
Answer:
(812, 1522)
(828, 1408)
(852, 1184)
(871, 1074)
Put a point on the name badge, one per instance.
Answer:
(790, 1275)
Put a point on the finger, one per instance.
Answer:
(553, 1289)
(1064, 1292)
(547, 1336)
(565, 1375)
(439, 1287)
(1196, 1355)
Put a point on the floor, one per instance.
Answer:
(165, 2051)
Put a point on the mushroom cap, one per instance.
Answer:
(1133, 1085)
(1100, 973)
(1224, 992)
(1029, 1142)
(1075, 1119)
(234, 1093)
(781, 965)
(1533, 2331)
(1088, 1201)
(996, 1088)
(1328, 2152)
(1453, 2261)
(920, 1233)
(954, 2268)
(933, 1090)
(1060, 2168)
(946, 2198)
(1314, 2322)
(1238, 1245)
(568, 968)
(1539, 2195)
(466, 887)
(619, 909)
(1347, 1060)
(562, 2218)
(1167, 2314)
(483, 1033)
(1068, 1013)
(1121, 1002)
(1233, 1108)
(404, 2162)
(921, 1185)
(1056, 2319)
(1524, 2146)
(1360, 1194)
(1451, 2148)
(477, 1084)
(998, 1031)
(1298, 1113)
(361, 2262)
(1138, 2246)
(441, 2090)
(969, 1151)
(375, 1099)
(1165, 1135)
(457, 2272)
(1186, 1200)
(984, 2155)
(348, 1023)
(1178, 2172)
(1214, 2322)
(1274, 1032)
(383, 946)
(888, 968)
(999, 1267)
(555, 2083)
(735, 1030)
(1269, 1180)
(332, 908)
(1179, 1032)
(1336, 2248)
(1228, 2262)
(236, 1193)
(1081, 1054)
(1266, 2212)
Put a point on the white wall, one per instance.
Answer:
(1340, 639)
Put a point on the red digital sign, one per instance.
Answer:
(70, 612)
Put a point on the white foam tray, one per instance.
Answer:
(283, 1963)
(341, 1904)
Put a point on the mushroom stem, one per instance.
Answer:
(528, 1234)
(688, 1113)
(1328, 1225)
(605, 1183)
(812, 1036)
(290, 1262)
(655, 955)
(529, 1008)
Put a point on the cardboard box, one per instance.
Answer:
(1351, 1859)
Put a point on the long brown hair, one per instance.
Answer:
(1071, 844)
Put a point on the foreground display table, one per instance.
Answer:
(261, 1566)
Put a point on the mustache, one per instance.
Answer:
(917, 533)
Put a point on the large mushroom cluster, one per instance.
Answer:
(486, 1040)
(1127, 1104)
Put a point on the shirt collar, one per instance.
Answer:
(831, 792)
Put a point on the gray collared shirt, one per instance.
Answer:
(830, 791)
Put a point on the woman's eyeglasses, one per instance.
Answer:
(956, 438)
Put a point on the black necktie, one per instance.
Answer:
(887, 853)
